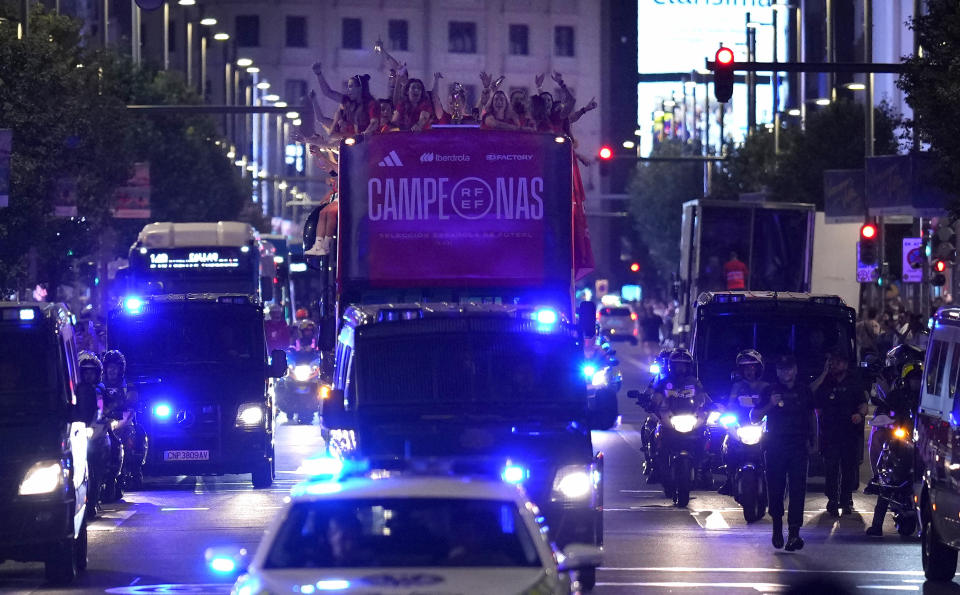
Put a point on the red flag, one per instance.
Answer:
(582, 252)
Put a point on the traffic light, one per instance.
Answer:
(869, 248)
(604, 155)
(937, 277)
(723, 74)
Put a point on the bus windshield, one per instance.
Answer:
(190, 333)
(485, 373)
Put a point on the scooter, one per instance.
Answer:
(299, 392)
(743, 463)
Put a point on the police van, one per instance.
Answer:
(43, 441)
(937, 440)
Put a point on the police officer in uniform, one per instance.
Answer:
(791, 434)
(841, 404)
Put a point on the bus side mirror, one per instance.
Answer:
(333, 413)
(587, 319)
(310, 238)
(327, 332)
(278, 363)
(266, 288)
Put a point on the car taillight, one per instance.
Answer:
(633, 316)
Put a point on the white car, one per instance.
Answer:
(390, 532)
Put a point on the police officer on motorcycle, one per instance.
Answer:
(132, 436)
(895, 401)
(841, 404)
(791, 434)
(658, 370)
(679, 379)
(744, 394)
(90, 398)
(306, 335)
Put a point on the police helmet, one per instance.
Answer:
(114, 357)
(87, 360)
(306, 326)
(902, 355)
(750, 357)
(680, 357)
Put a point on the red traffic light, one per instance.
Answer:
(724, 56)
(868, 231)
(605, 153)
(940, 266)
(635, 267)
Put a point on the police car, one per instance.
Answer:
(407, 532)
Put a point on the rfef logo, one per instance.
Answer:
(391, 160)
(471, 198)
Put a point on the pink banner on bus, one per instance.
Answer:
(461, 206)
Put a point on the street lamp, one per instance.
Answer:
(244, 62)
(221, 36)
(205, 22)
(263, 86)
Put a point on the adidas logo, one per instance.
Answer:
(391, 160)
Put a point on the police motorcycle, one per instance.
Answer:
(299, 392)
(601, 370)
(104, 454)
(741, 454)
(120, 400)
(681, 437)
(893, 423)
(658, 371)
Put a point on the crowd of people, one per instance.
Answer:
(410, 106)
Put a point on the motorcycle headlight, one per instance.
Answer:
(574, 482)
(683, 423)
(249, 414)
(750, 434)
(42, 478)
(302, 372)
(599, 379)
(900, 433)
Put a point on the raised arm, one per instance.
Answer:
(325, 87)
(567, 101)
(392, 62)
(583, 110)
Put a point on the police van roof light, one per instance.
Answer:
(546, 316)
(513, 473)
(27, 314)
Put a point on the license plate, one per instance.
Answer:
(186, 455)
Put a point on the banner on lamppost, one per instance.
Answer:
(6, 142)
(65, 200)
(843, 196)
(913, 260)
(132, 200)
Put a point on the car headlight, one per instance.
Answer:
(713, 418)
(750, 434)
(302, 372)
(42, 478)
(683, 423)
(574, 482)
(249, 414)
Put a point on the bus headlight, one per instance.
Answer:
(683, 423)
(750, 434)
(249, 414)
(42, 478)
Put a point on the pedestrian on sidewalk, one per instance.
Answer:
(790, 436)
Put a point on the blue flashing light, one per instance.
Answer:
(322, 466)
(655, 369)
(589, 370)
(513, 473)
(27, 314)
(332, 585)
(223, 565)
(546, 316)
(162, 411)
(728, 420)
(315, 488)
(133, 305)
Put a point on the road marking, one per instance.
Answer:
(109, 521)
(890, 587)
(693, 570)
(712, 522)
(174, 508)
(134, 581)
(640, 491)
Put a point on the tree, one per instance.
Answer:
(658, 191)
(932, 86)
